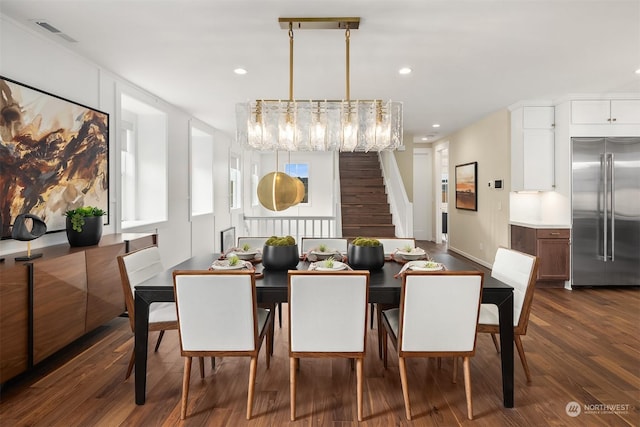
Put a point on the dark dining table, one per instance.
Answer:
(271, 287)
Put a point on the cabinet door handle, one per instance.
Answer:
(555, 233)
(609, 119)
(614, 119)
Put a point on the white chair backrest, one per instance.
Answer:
(338, 244)
(328, 311)
(216, 311)
(253, 242)
(390, 245)
(440, 311)
(142, 265)
(515, 269)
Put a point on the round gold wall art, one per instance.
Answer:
(277, 191)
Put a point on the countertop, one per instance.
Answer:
(539, 225)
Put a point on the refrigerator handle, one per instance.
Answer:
(605, 213)
(612, 213)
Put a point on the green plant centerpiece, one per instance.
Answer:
(84, 225)
(280, 253)
(365, 253)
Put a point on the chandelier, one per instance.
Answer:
(319, 125)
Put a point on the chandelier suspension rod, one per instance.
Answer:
(347, 35)
(290, 61)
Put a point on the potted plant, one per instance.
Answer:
(84, 225)
(366, 254)
(280, 253)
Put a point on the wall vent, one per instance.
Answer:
(54, 30)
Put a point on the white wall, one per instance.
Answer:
(31, 58)
(478, 235)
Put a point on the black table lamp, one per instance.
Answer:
(21, 231)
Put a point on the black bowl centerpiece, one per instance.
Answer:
(280, 253)
(365, 254)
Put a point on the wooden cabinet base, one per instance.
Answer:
(48, 302)
(551, 246)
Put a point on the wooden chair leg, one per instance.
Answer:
(201, 359)
(269, 349)
(253, 367)
(523, 358)
(467, 387)
(405, 386)
(385, 348)
(454, 378)
(159, 340)
(495, 342)
(292, 386)
(359, 363)
(185, 387)
(132, 361)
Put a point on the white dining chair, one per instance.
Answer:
(437, 317)
(218, 316)
(327, 318)
(136, 267)
(253, 242)
(518, 270)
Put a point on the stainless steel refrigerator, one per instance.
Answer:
(606, 211)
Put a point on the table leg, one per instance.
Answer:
(141, 342)
(505, 312)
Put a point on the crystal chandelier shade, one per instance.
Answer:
(271, 125)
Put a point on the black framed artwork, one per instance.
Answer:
(467, 186)
(54, 156)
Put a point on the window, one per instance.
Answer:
(255, 179)
(235, 182)
(201, 172)
(301, 171)
(143, 163)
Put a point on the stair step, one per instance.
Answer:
(367, 198)
(361, 181)
(363, 190)
(369, 230)
(351, 174)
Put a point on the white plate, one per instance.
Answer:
(247, 255)
(324, 255)
(419, 267)
(336, 266)
(224, 265)
(412, 255)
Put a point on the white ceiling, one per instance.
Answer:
(469, 58)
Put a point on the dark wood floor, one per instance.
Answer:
(583, 346)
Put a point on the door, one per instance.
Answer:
(623, 265)
(588, 229)
(422, 194)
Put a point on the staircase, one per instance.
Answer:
(365, 210)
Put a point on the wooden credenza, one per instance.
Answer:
(49, 302)
(550, 245)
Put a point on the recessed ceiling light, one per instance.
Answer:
(638, 71)
(435, 125)
(405, 70)
(424, 138)
(240, 71)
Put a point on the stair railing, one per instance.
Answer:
(295, 226)
(401, 207)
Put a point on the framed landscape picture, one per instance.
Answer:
(54, 156)
(467, 186)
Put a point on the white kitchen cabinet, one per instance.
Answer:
(533, 148)
(605, 111)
